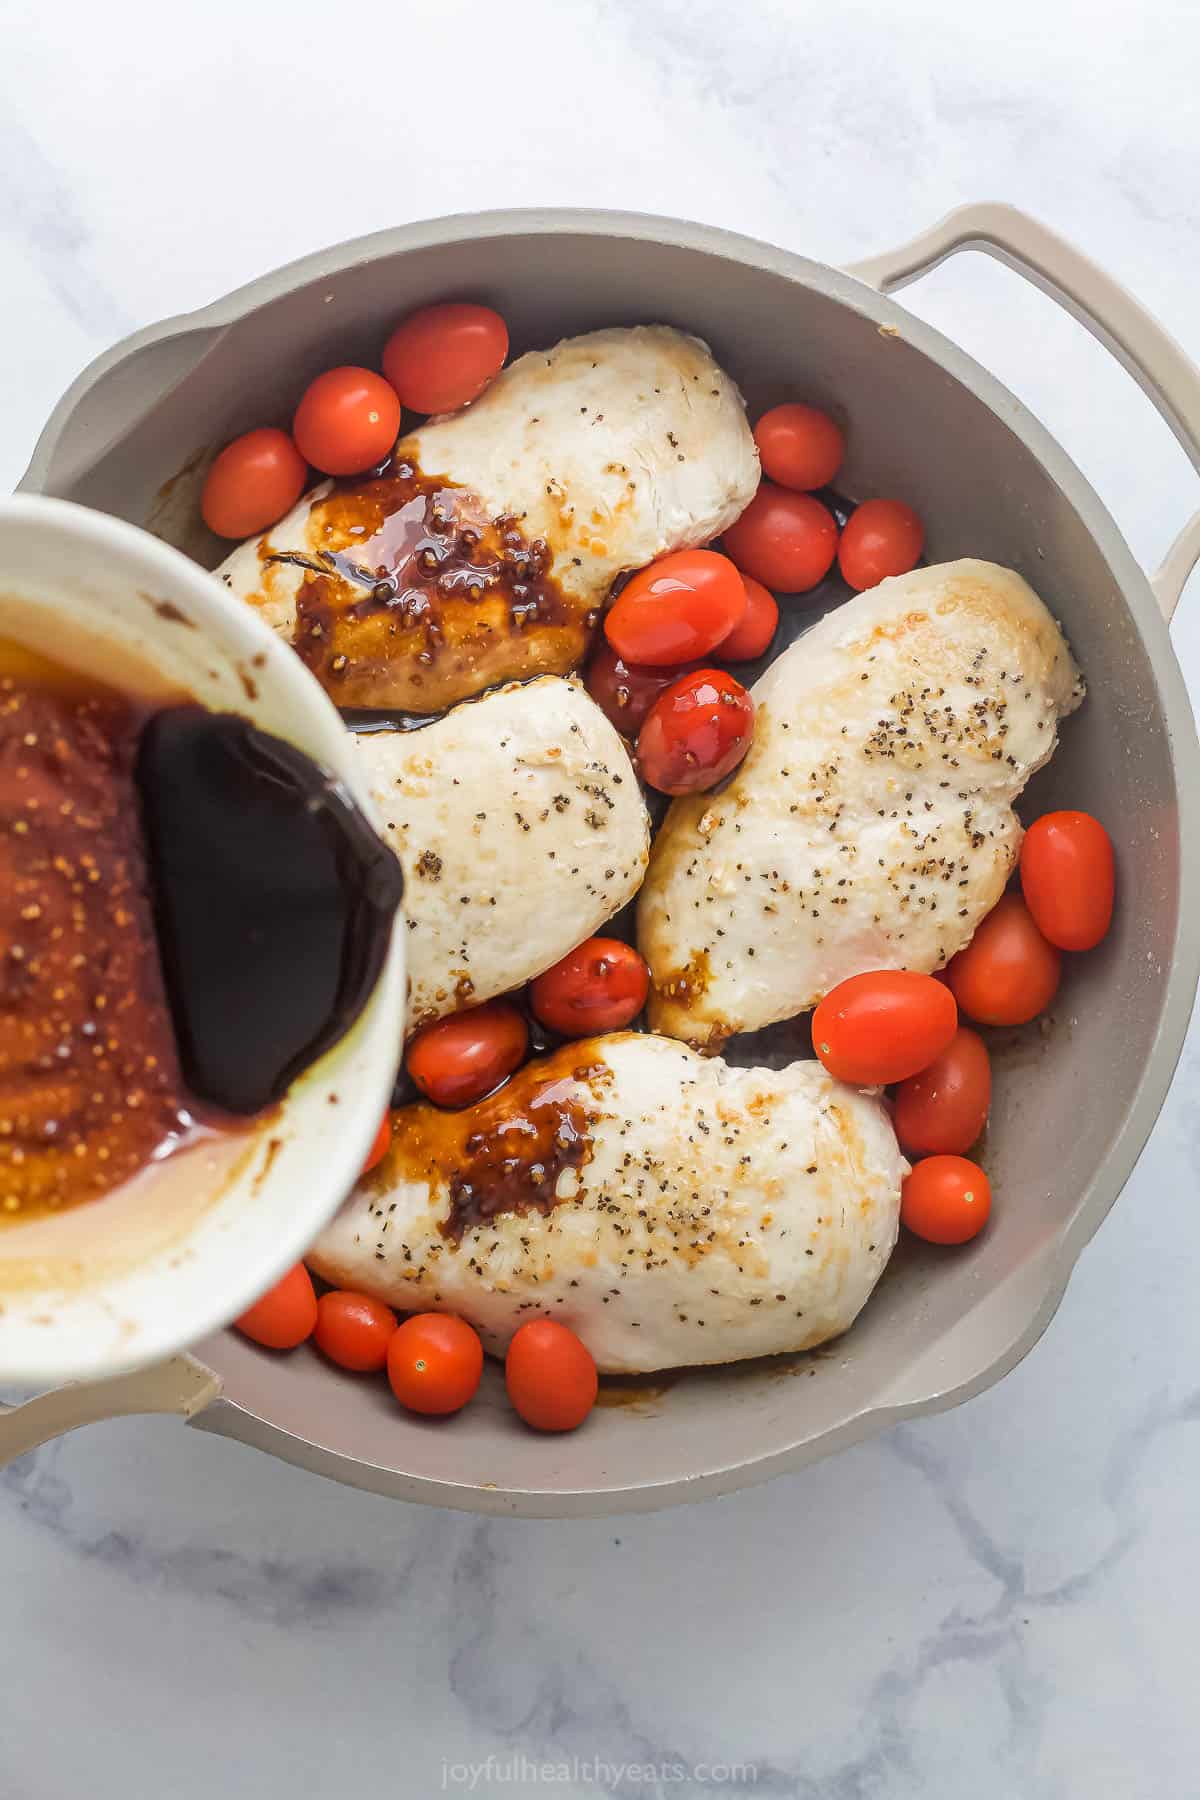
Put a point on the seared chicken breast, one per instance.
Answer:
(520, 826)
(486, 549)
(871, 825)
(668, 1208)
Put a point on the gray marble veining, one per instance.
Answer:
(39, 214)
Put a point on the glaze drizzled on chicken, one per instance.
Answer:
(486, 549)
(668, 1208)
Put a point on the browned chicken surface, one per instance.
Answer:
(486, 549)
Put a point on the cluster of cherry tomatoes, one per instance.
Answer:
(694, 722)
(434, 1361)
(599, 986)
(894, 1028)
(348, 419)
(788, 538)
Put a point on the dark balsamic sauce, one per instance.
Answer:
(364, 721)
(273, 902)
(507, 1153)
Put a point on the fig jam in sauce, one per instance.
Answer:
(90, 1084)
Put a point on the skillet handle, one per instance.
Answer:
(180, 1385)
(1165, 374)
(107, 398)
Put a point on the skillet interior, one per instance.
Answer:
(1072, 1104)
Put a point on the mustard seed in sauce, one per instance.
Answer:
(90, 1084)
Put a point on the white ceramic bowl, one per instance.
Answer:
(191, 1241)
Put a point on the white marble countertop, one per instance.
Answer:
(980, 1604)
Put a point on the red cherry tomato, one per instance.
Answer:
(434, 1362)
(601, 986)
(787, 541)
(946, 1200)
(354, 1331)
(943, 1109)
(799, 446)
(752, 636)
(696, 732)
(444, 356)
(253, 482)
(347, 421)
(550, 1376)
(623, 691)
(677, 609)
(880, 538)
(286, 1313)
(883, 1026)
(1008, 973)
(1067, 878)
(456, 1061)
(381, 1145)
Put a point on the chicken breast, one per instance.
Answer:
(487, 548)
(520, 826)
(871, 825)
(668, 1208)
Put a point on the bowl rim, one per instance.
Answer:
(196, 1310)
(919, 1388)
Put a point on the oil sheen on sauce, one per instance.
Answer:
(519, 1151)
(414, 596)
